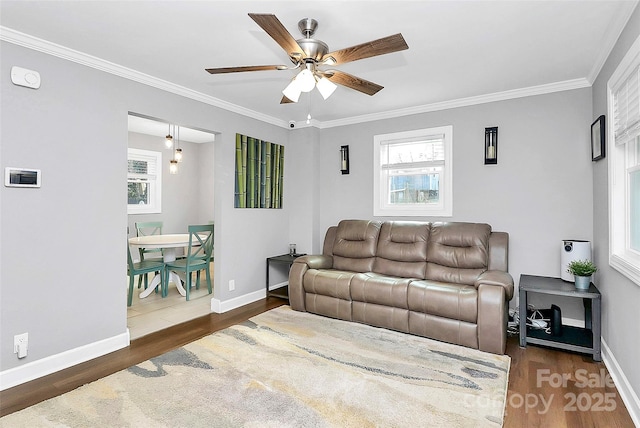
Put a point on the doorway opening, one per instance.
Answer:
(176, 200)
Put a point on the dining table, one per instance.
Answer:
(171, 245)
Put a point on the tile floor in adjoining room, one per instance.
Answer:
(154, 313)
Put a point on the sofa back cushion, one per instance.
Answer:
(402, 249)
(354, 246)
(457, 252)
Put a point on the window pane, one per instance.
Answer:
(138, 193)
(634, 210)
(138, 166)
(415, 188)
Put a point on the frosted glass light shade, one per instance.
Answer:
(306, 81)
(292, 91)
(173, 166)
(326, 87)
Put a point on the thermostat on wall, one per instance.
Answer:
(23, 77)
(21, 177)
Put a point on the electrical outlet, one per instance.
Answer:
(21, 344)
(232, 284)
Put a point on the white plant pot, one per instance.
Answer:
(582, 282)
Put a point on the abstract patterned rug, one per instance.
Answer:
(285, 368)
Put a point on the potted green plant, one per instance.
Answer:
(582, 271)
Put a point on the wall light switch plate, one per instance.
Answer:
(23, 77)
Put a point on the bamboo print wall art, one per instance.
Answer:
(259, 173)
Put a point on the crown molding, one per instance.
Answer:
(611, 37)
(35, 43)
(463, 102)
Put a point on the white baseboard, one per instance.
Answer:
(628, 395)
(219, 306)
(280, 285)
(45, 366)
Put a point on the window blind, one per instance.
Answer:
(413, 154)
(626, 109)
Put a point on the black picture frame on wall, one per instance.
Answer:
(598, 139)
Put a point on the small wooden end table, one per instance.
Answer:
(577, 339)
(285, 259)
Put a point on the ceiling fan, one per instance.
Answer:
(312, 56)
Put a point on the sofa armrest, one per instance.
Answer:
(497, 278)
(316, 261)
(296, 277)
(492, 319)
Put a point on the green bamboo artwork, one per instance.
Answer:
(259, 173)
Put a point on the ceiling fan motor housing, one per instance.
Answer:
(313, 49)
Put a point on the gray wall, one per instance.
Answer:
(620, 296)
(68, 299)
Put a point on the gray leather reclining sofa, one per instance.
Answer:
(446, 281)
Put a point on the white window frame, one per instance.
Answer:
(155, 181)
(380, 188)
(621, 256)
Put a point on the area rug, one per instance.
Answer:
(285, 368)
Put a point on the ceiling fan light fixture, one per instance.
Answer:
(306, 81)
(326, 87)
(292, 91)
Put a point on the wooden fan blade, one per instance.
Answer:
(285, 100)
(382, 46)
(222, 70)
(353, 82)
(273, 27)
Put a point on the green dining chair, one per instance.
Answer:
(197, 258)
(143, 267)
(146, 229)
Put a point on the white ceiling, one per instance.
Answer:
(460, 52)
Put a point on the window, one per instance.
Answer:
(144, 182)
(624, 165)
(413, 173)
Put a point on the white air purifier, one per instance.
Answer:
(573, 249)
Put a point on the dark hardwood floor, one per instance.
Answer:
(547, 388)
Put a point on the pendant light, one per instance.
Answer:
(168, 140)
(173, 163)
(177, 154)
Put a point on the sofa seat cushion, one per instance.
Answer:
(328, 282)
(453, 301)
(384, 290)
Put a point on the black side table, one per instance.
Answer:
(283, 259)
(585, 340)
